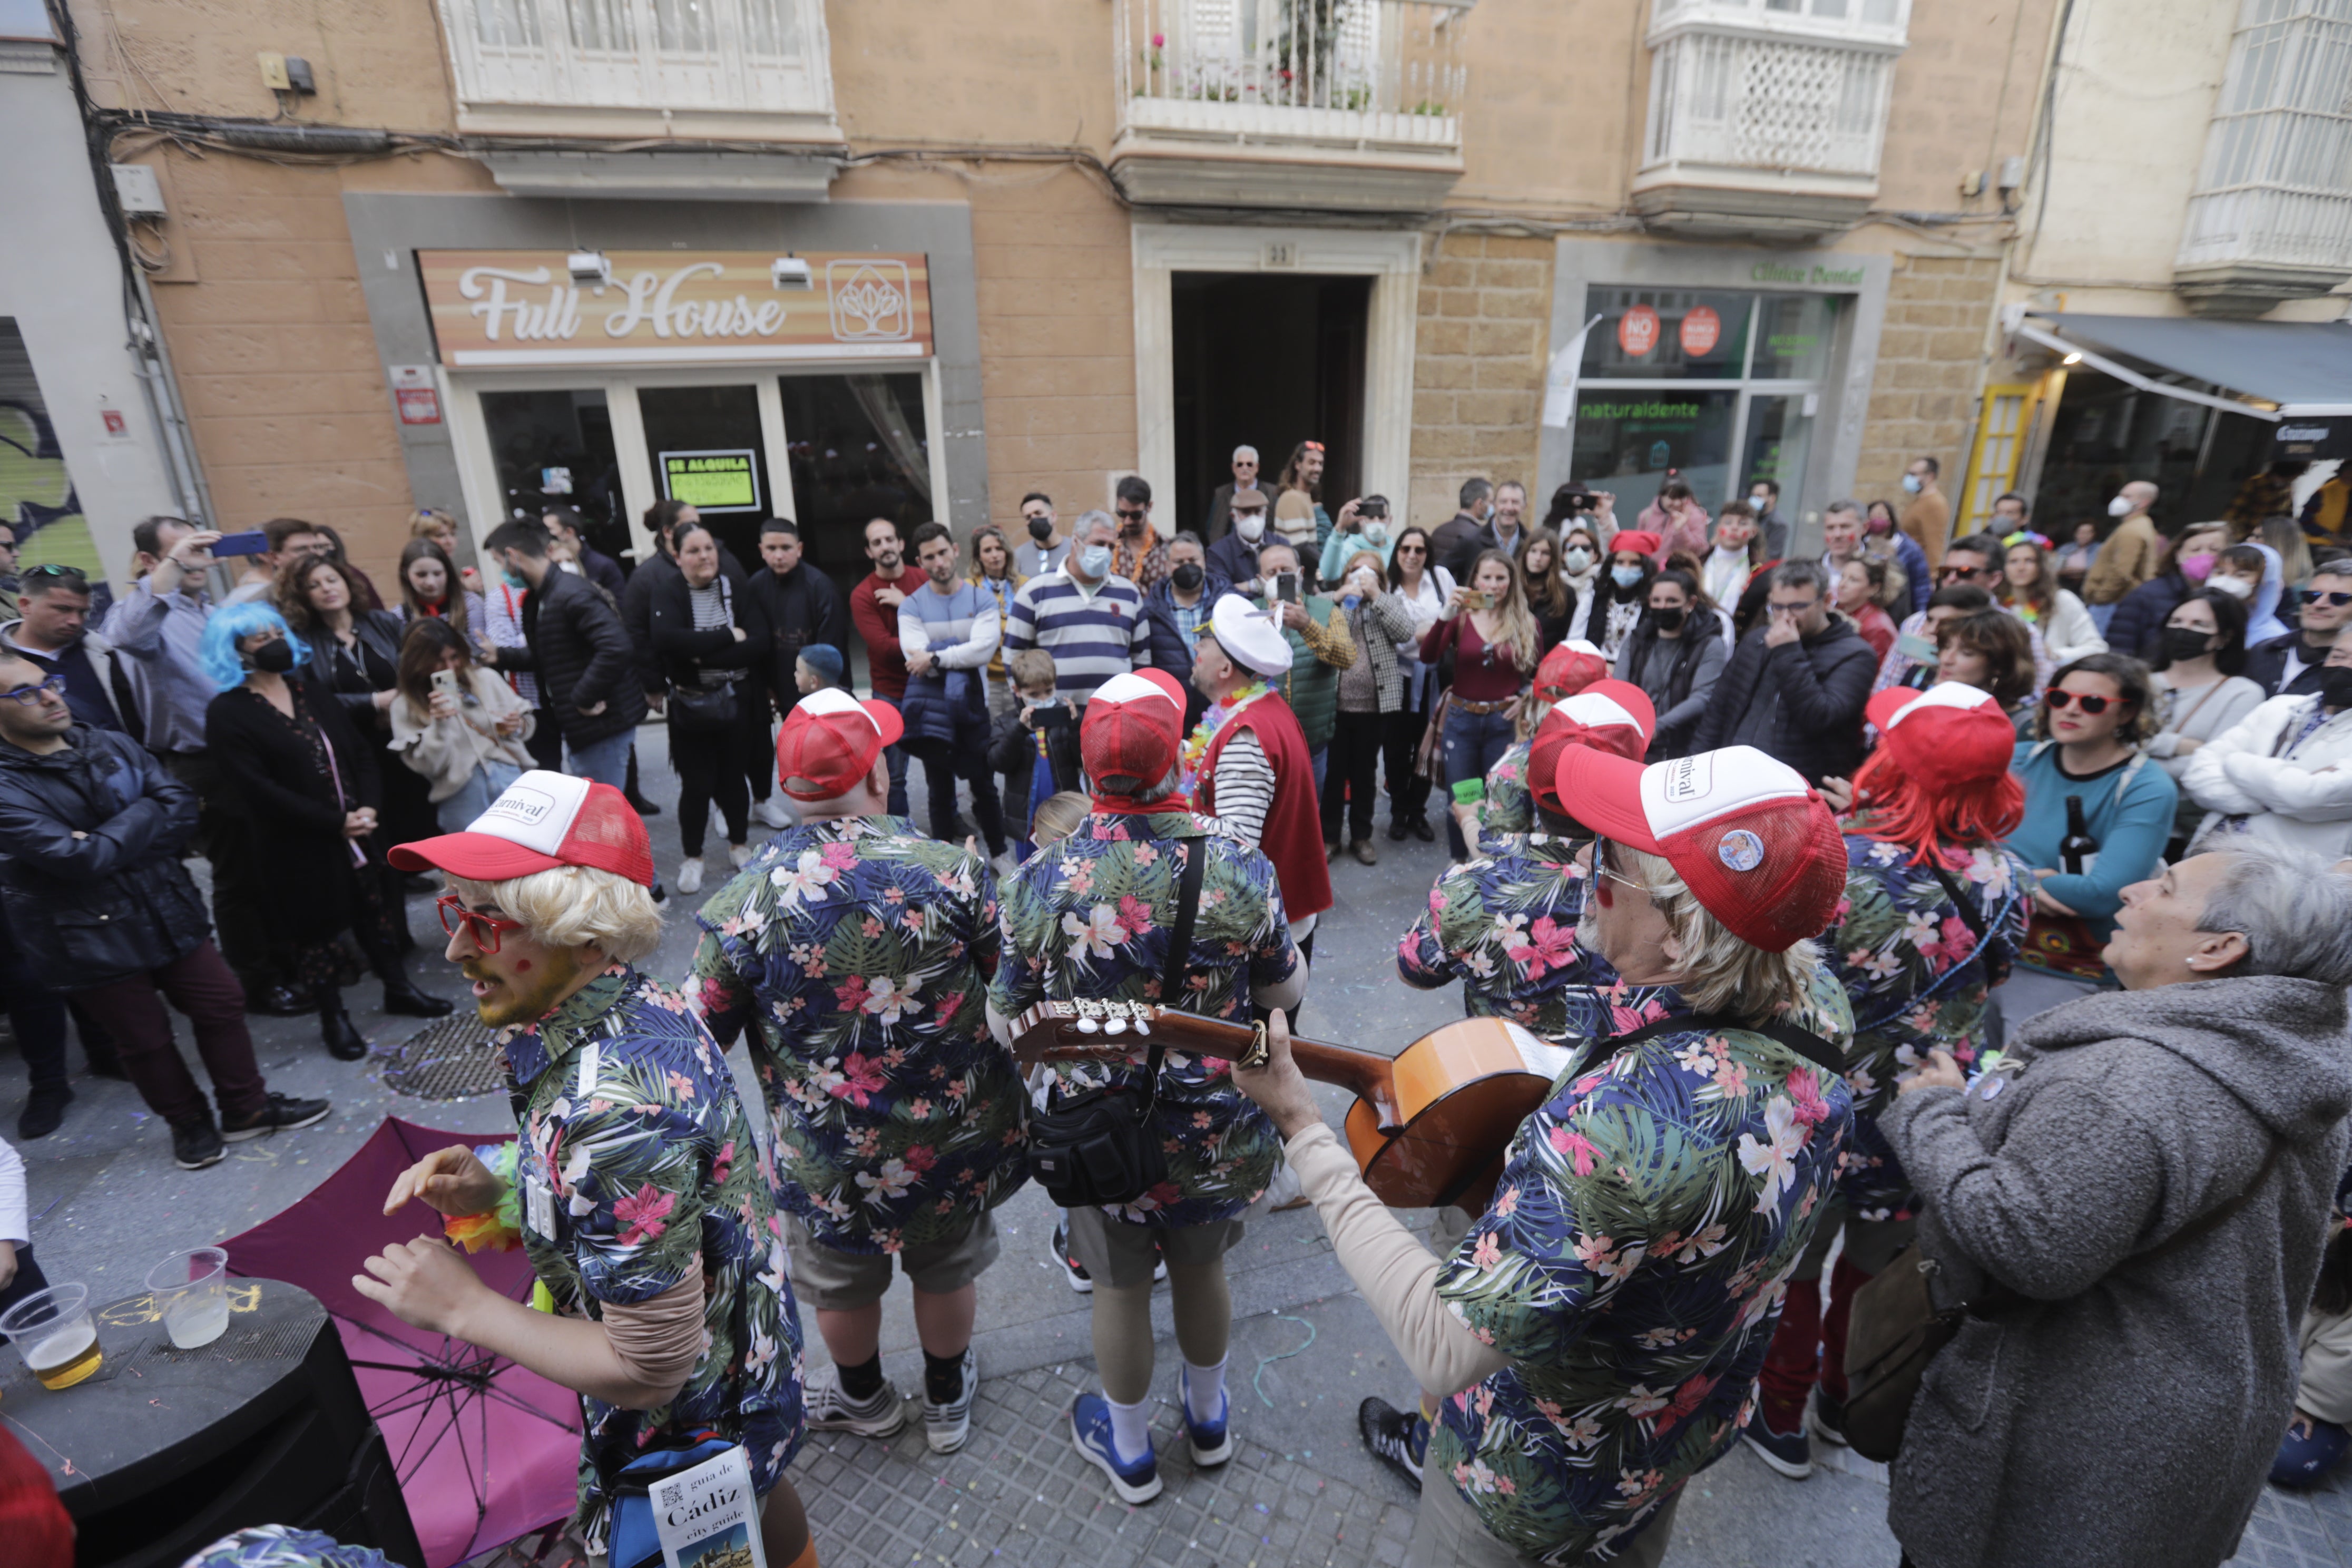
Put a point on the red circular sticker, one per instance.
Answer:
(1702, 330)
(1637, 330)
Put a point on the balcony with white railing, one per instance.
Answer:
(1319, 103)
(733, 69)
(2272, 216)
(1766, 116)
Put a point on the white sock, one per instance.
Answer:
(1204, 1388)
(1130, 1429)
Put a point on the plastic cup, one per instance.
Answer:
(191, 1292)
(55, 1333)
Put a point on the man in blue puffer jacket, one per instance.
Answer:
(91, 829)
(1177, 608)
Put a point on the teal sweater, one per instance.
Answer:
(2130, 813)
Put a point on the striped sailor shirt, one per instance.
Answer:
(1092, 635)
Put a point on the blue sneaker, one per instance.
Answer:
(1213, 1444)
(1135, 1480)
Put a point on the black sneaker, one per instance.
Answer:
(1398, 1438)
(196, 1145)
(1072, 1269)
(280, 1114)
(1789, 1453)
(1423, 831)
(1827, 1417)
(44, 1111)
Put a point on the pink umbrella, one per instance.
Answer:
(485, 1450)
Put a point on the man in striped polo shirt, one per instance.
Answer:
(1090, 620)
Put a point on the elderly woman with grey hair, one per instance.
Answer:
(2132, 1202)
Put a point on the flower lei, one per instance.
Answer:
(1196, 746)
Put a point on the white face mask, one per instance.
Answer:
(1760, 500)
(2119, 507)
(1576, 558)
(2236, 587)
(1249, 526)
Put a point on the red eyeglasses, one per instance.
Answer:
(1310, 446)
(2059, 698)
(483, 931)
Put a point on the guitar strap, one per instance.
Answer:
(1180, 955)
(1804, 1042)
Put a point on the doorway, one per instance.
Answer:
(1267, 361)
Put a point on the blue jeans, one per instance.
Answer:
(1474, 743)
(606, 760)
(474, 796)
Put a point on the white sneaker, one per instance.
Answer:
(739, 854)
(773, 812)
(831, 1410)
(689, 876)
(946, 1426)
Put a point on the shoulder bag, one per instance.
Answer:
(1099, 1148)
(1896, 1329)
(699, 709)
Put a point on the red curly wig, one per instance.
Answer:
(1891, 805)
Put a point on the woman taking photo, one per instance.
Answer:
(1550, 598)
(1581, 561)
(2087, 768)
(1623, 594)
(1426, 588)
(303, 782)
(463, 736)
(1674, 654)
(1493, 639)
(2199, 693)
(2030, 591)
(428, 591)
(707, 629)
(1372, 692)
(355, 656)
(1861, 582)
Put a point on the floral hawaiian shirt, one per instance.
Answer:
(1509, 807)
(283, 1546)
(635, 1145)
(858, 952)
(1505, 925)
(1918, 977)
(1632, 1266)
(1090, 917)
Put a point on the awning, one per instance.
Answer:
(2304, 367)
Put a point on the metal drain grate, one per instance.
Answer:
(451, 1059)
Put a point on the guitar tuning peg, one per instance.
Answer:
(1141, 1025)
(1117, 1025)
(1087, 1026)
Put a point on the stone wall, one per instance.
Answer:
(1485, 318)
(1930, 369)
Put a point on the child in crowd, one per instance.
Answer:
(818, 666)
(1040, 730)
(1057, 817)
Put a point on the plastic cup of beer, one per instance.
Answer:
(191, 1292)
(55, 1333)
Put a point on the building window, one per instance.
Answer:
(1784, 86)
(757, 56)
(2275, 188)
(1389, 70)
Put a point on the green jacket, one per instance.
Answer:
(1317, 656)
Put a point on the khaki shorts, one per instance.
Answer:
(1122, 1255)
(834, 1281)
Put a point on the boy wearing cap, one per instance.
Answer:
(1595, 1334)
(1507, 807)
(1505, 924)
(857, 952)
(1935, 910)
(634, 1184)
(1091, 917)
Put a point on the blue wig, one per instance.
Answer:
(232, 624)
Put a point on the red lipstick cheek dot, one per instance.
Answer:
(522, 966)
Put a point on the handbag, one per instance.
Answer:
(634, 1540)
(699, 709)
(1896, 1330)
(1429, 757)
(1098, 1148)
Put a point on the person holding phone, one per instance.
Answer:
(456, 724)
(1320, 648)
(1488, 629)
(1363, 524)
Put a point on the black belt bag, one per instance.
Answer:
(1099, 1148)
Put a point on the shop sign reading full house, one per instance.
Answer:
(515, 308)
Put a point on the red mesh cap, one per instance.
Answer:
(1946, 738)
(1567, 670)
(829, 742)
(544, 820)
(1613, 715)
(1133, 726)
(1754, 843)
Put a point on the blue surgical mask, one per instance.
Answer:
(1911, 483)
(1624, 576)
(515, 579)
(1095, 560)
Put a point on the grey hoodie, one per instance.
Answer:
(2126, 1419)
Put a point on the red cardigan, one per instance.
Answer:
(1293, 839)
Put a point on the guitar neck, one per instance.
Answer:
(1365, 1074)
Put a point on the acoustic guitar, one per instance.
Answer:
(1429, 1128)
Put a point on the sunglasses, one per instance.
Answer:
(2060, 700)
(483, 931)
(30, 696)
(2326, 596)
(51, 569)
(1953, 574)
(1131, 516)
(1410, 550)
(1310, 446)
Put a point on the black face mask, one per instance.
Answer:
(1041, 529)
(272, 657)
(2336, 688)
(2181, 643)
(1670, 620)
(1187, 576)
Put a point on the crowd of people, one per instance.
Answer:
(1756, 845)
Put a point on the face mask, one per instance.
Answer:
(1877, 525)
(1669, 620)
(2119, 507)
(1249, 525)
(1187, 576)
(1041, 529)
(1760, 500)
(273, 658)
(2236, 587)
(1911, 483)
(2335, 686)
(1625, 576)
(1378, 533)
(1576, 558)
(2195, 567)
(515, 579)
(1095, 560)
(2184, 643)
(1916, 648)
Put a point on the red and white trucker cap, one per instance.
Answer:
(1753, 841)
(1614, 715)
(1947, 737)
(829, 741)
(1568, 669)
(543, 821)
(1133, 727)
